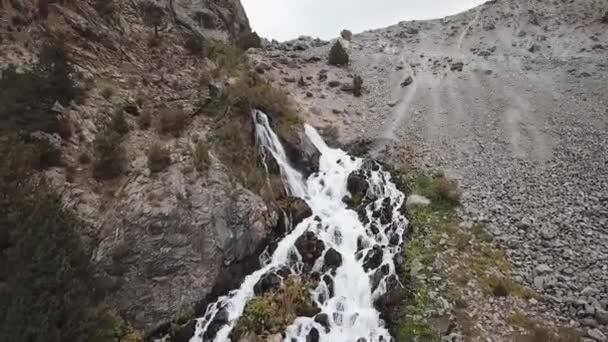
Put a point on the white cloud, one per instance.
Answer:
(288, 19)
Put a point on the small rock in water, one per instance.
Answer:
(323, 319)
(313, 335)
(409, 80)
(332, 258)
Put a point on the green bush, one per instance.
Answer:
(158, 158)
(228, 57)
(337, 55)
(105, 8)
(26, 98)
(357, 85)
(118, 122)
(110, 156)
(200, 154)
(249, 40)
(172, 121)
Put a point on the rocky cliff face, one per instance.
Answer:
(160, 241)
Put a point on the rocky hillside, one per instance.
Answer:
(135, 115)
(509, 98)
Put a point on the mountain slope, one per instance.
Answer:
(510, 98)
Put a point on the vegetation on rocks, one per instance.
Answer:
(26, 99)
(272, 312)
(200, 154)
(357, 85)
(110, 157)
(48, 293)
(172, 121)
(337, 55)
(444, 257)
(158, 158)
(195, 44)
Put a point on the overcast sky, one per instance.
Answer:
(288, 19)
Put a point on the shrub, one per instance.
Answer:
(158, 158)
(200, 154)
(272, 312)
(153, 41)
(249, 40)
(26, 98)
(107, 92)
(144, 120)
(105, 8)
(84, 158)
(357, 85)
(172, 121)
(110, 155)
(195, 44)
(337, 55)
(229, 57)
(446, 190)
(253, 93)
(152, 15)
(118, 122)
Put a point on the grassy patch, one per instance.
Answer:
(229, 57)
(534, 331)
(272, 312)
(200, 154)
(237, 152)
(172, 121)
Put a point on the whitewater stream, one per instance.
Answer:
(368, 243)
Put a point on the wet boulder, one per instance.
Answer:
(309, 247)
(357, 185)
(296, 209)
(332, 259)
(313, 335)
(373, 258)
(267, 282)
(220, 319)
(323, 320)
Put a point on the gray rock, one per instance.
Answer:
(543, 269)
(597, 335)
(407, 81)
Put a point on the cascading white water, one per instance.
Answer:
(367, 249)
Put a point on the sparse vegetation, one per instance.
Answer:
(172, 121)
(110, 155)
(272, 312)
(229, 58)
(107, 92)
(105, 8)
(26, 98)
(152, 15)
(357, 85)
(251, 92)
(337, 55)
(158, 158)
(118, 122)
(195, 44)
(249, 40)
(144, 120)
(331, 135)
(200, 154)
(45, 269)
(534, 331)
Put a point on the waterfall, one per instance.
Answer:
(367, 242)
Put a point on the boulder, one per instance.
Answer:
(332, 259)
(309, 247)
(296, 209)
(407, 81)
(267, 282)
(347, 35)
(373, 258)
